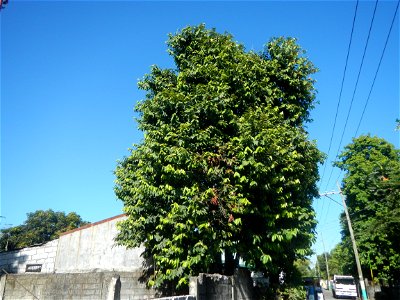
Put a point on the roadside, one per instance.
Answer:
(328, 294)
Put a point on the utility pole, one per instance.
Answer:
(326, 262)
(360, 275)
(317, 270)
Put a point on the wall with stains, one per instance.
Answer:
(84, 286)
(92, 248)
(86, 249)
(41, 258)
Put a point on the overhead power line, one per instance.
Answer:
(376, 73)
(338, 104)
(354, 90)
(377, 69)
(358, 78)
(341, 90)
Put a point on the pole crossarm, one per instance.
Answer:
(326, 194)
(329, 193)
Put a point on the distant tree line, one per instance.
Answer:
(40, 226)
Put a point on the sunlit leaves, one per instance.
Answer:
(372, 186)
(225, 164)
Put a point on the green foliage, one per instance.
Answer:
(323, 272)
(303, 266)
(225, 164)
(341, 260)
(40, 226)
(291, 293)
(372, 186)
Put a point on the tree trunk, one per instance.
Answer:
(229, 268)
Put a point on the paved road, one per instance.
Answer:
(328, 295)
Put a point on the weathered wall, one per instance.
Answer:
(119, 286)
(16, 261)
(93, 248)
(86, 264)
(84, 286)
(220, 287)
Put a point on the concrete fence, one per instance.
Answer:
(118, 286)
(41, 255)
(92, 248)
(83, 286)
(221, 287)
(86, 249)
(86, 264)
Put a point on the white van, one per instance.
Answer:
(344, 286)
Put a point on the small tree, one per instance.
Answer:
(225, 165)
(40, 226)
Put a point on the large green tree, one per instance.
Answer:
(372, 187)
(40, 226)
(225, 164)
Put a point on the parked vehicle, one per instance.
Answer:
(344, 286)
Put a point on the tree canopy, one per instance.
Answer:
(40, 226)
(303, 266)
(372, 187)
(225, 165)
(323, 271)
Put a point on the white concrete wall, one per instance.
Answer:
(93, 248)
(16, 261)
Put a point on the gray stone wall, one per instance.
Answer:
(119, 286)
(221, 287)
(16, 261)
(84, 286)
(186, 297)
(93, 248)
(86, 264)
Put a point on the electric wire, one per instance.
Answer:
(329, 225)
(329, 203)
(339, 100)
(327, 212)
(377, 70)
(326, 226)
(341, 90)
(355, 87)
(368, 98)
(358, 78)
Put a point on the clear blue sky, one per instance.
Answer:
(69, 73)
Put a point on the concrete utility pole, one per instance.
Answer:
(317, 270)
(326, 262)
(360, 275)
